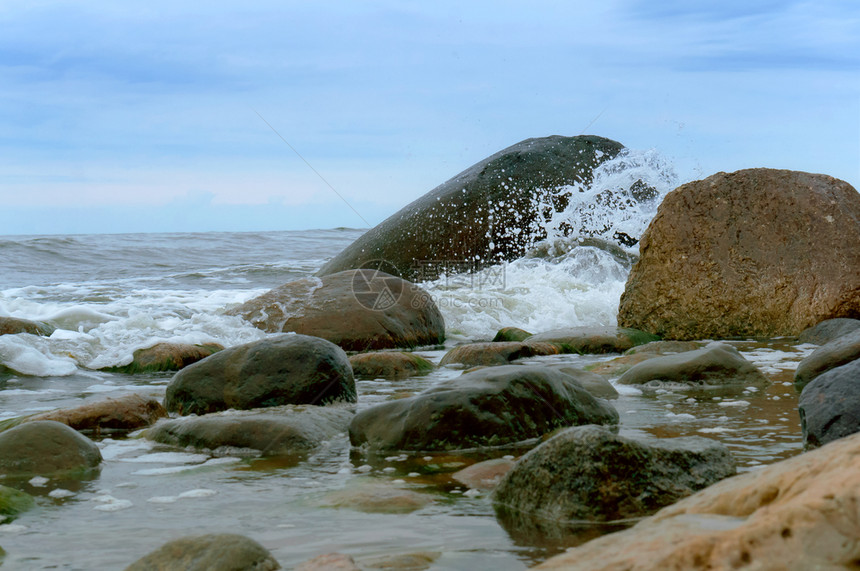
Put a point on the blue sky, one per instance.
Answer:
(134, 117)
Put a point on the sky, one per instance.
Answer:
(279, 115)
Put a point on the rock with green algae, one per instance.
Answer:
(389, 364)
(12, 503)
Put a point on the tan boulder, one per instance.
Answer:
(359, 310)
(496, 353)
(797, 514)
(389, 364)
(167, 357)
(757, 252)
(125, 413)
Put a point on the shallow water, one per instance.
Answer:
(111, 295)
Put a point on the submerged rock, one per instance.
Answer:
(828, 330)
(329, 562)
(594, 339)
(754, 253)
(485, 408)
(590, 473)
(716, 365)
(665, 347)
(489, 213)
(272, 431)
(125, 413)
(166, 357)
(214, 552)
(496, 353)
(14, 325)
(46, 448)
(288, 369)
(799, 513)
(389, 364)
(13, 503)
(830, 405)
(360, 310)
(838, 352)
(376, 497)
(484, 475)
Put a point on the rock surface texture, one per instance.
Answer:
(46, 448)
(359, 310)
(216, 552)
(797, 514)
(757, 252)
(837, 352)
(489, 213)
(288, 369)
(488, 407)
(590, 473)
(829, 406)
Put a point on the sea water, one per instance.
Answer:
(109, 295)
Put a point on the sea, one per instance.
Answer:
(109, 295)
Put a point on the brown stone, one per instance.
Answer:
(214, 552)
(167, 357)
(491, 212)
(496, 353)
(360, 310)
(13, 325)
(484, 475)
(757, 252)
(389, 364)
(372, 497)
(125, 413)
(329, 562)
(796, 514)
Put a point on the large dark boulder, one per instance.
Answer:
(828, 330)
(271, 431)
(359, 310)
(830, 405)
(590, 473)
(485, 408)
(716, 365)
(46, 448)
(753, 253)
(287, 369)
(489, 213)
(840, 351)
(214, 552)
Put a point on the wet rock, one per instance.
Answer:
(359, 310)
(13, 325)
(372, 497)
(511, 334)
(125, 413)
(13, 503)
(272, 431)
(591, 473)
(828, 330)
(496, 353)
(594, 339)
(716, 365)
(404, 562)
(214, 552)
(753, 253)
(838, 352)
(46, 448)
(329, 562)
(288, 369)
(799, 513)
(665, 347)
(484, 475)
(166, 357)
(489, 213)
(389, 365)
(830, 405)
(592, 382)
(489, 407)
(619, 365)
